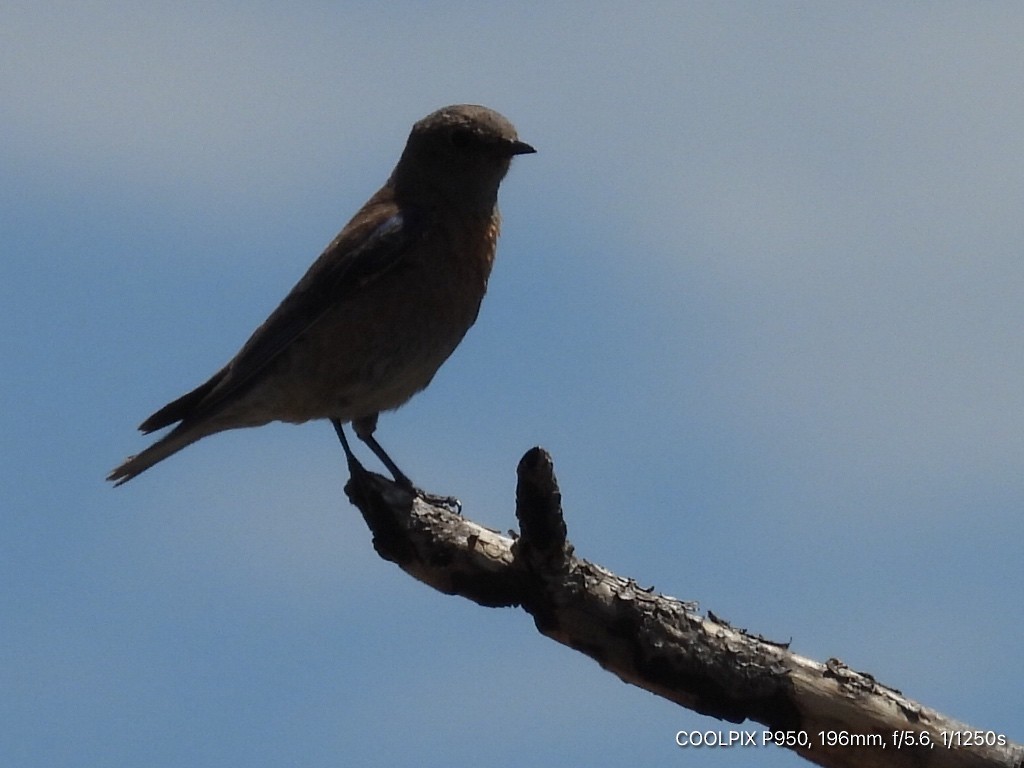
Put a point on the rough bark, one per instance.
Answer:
(828, 713)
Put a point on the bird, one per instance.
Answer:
(380, 310)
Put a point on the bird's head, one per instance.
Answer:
(458, 156)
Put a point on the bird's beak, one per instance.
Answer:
(520, 148)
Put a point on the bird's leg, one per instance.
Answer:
(364, 429)
(400, 477)
(354, 467)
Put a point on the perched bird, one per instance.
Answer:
(379, 311)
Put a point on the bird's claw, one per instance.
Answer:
(451, 503)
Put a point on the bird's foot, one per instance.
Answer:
(451, 503)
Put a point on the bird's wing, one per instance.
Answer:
(373, 243)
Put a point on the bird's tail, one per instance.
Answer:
(169, 444)
(195, 422)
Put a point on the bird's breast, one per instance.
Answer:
(373, 352)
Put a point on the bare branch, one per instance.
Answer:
(828, 713)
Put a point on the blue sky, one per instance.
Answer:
(759, 293)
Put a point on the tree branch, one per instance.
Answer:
(828, 713)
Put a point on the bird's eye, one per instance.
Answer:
(461, 138)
